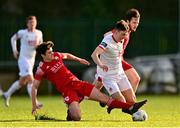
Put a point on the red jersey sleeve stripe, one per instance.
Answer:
(101, 47)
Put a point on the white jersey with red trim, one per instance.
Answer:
(111, 56)
(29, 41)
(126, 39)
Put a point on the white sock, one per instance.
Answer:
(29, 89)
(15, 86)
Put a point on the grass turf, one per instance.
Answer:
(163, 111)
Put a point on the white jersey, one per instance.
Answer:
(111, 57)
(29, 42)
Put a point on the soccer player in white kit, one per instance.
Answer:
(108, 56)
(29, 38)
(132, 17)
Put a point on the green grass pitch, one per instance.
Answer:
(162, 110)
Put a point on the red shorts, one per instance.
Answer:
(76, 91)
(126, 65)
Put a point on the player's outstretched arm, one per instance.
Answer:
(75, 58)
(34, 96)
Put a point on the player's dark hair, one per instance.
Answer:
(30, 18)
(122, 25)
(42, 48)
(132, 13)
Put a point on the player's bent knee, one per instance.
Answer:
(22, 82)
(74, 110)
(29, 79)
(136, 79)
(25, 79)
(77, 119)
(76, 116)
(98, 84)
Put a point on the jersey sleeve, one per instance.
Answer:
(104, 44)
(20, 33)
(39, 72)
(60, 55)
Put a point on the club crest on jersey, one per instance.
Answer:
(56, 58)
(32, 42)
(110, 89)
(103, 44)
(66, 98)
(56, 67)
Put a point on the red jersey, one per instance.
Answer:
(56, 72)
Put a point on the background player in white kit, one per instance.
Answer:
(108, 56)
(29, 38)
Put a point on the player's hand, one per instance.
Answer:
(83, 61)
(104, 67)
(34, 110)
(16, 54)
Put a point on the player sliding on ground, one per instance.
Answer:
(72, 89)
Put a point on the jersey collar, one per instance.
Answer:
(114, 38)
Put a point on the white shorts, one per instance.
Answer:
(25, 66)
(115, 84)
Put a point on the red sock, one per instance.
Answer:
(118, 104)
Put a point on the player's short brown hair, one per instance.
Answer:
(132, 13)
(42, 48)
(30, 18)
(122, 25)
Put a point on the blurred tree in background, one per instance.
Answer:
(77, 26)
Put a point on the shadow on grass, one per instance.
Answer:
(32, 120)
(106, 121)
(59, 120)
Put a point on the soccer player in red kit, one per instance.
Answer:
(132, 17)
(72, 89)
